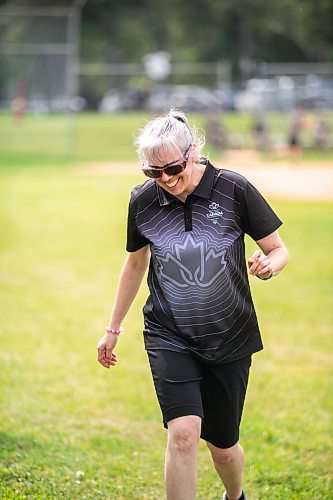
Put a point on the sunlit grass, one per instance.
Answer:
(62, 246)
(51, 139)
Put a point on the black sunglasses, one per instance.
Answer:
(173, 168)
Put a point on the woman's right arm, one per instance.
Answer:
(129, 283)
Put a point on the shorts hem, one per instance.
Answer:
(181, 411)
(220, 443)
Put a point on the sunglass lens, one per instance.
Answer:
(153, 174)
(174, 169)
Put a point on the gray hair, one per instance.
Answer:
(169, 131)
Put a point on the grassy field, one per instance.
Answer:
(61, 249)
(41, 139)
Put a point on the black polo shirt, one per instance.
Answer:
(200, 298)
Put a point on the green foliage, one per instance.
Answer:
(62, 247)
(238, 33)
(208, 31)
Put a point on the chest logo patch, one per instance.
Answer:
(192, 264)
(215, 212)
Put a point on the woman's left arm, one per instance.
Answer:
(273, 259)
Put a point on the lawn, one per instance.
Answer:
(61, 249)
(41, 139)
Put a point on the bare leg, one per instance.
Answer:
(181, 458)
(229, 464)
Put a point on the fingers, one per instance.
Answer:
(259, 264)
(108, 353)
(106, 357)
(105, 347)
(253, 259)
(265, 270)
(107, 361)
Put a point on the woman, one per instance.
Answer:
(188, 223)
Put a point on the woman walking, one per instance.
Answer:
(187, 222)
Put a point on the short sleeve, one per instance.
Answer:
(135, 240)
(257, 217)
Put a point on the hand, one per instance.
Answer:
(260, 265)
(105, 347)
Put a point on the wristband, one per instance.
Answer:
(116, 331)
(265, 279)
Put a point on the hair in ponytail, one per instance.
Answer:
(169, 131)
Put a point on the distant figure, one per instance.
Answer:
(321, 133)
(18, 107)
(216, 133)
(260, 133)
(19, 103)
(295, 132)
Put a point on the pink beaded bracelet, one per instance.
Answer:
(116, 331)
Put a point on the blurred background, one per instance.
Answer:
(268, 63)
(78, 79)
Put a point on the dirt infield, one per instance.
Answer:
(280, 179)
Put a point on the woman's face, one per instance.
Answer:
(180, 184)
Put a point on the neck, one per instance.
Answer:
(197, 175)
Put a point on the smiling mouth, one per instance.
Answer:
(171, 184)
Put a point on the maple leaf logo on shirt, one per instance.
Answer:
(190, 264)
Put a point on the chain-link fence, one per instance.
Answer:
(41, 74)
(38, 68)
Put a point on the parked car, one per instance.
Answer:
(186, 97)
(259, 94)
(315, 93)
(159, 98)
(122, 100)
(193, 98)
(110, 102)
(225, 95)
(63, 104)
(38, 105)
(283, 93)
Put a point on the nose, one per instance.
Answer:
(165, 177)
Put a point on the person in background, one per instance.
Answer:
(260, 133)
(298, 123)
(187, 223)
(216, 133)
(322, 138)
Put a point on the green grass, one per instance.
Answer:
(62, 246)
(37, 140)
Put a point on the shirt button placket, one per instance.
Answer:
(188, 218)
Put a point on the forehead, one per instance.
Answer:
(164, 154)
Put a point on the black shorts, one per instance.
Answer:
(186, 386)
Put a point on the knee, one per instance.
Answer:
(184, 434)
(225, 455)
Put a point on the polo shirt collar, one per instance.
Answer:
(203, 189)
